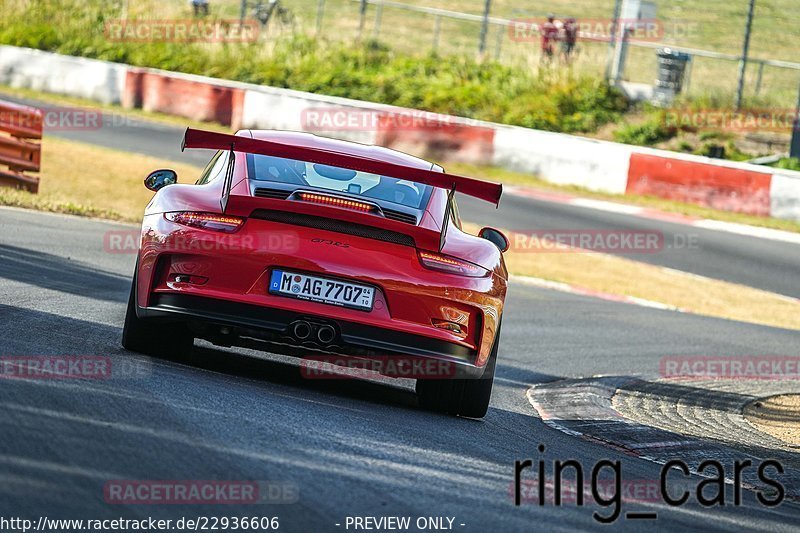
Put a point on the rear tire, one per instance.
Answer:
(463, 397)
(169, 340)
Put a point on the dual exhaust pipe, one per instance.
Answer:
(306, 331)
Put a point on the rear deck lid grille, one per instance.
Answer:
(399, 216)
(277, 194)
(338, 226)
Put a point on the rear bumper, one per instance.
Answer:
(411, 310)
(231, 323)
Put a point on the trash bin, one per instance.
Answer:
(671, 73)
(671, 69)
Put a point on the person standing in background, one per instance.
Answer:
(569, 38)
(549, 33)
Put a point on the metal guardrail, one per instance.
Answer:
(18, 126)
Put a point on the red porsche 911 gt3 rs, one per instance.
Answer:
(302, 245)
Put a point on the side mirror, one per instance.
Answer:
(160, 178)
(495, 237)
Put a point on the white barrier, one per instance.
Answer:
(563, 159)
(101, 81)
(784, 195)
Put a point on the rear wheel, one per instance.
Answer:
(464, 397)
(170, 340)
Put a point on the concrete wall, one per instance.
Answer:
(100, 81)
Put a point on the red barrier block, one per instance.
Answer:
(175, 95)
(717, 186)
(435, 139)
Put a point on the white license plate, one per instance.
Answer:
(316, 289)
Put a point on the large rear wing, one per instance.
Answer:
(483, 190)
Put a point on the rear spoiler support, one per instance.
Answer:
(226, 186)
(447, 210)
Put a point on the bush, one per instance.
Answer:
(652, 131)
(554, 101)
(788, 163)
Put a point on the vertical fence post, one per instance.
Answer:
(242, 12)
(437, 28)
(498, 45)
(320, 15)
(620, 51)
(362, 18)
(612, 45)
(484, 26)
(687, 78)
(794, 145)
(760, 77)
(745, 50)
(376, 29)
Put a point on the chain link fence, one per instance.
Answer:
(712, 32)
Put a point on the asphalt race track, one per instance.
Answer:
(351, 448)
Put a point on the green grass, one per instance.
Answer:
(26, 200)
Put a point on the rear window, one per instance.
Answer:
(303, 173)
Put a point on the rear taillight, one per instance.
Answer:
(324, 199)
(209, 221)
(445, 263)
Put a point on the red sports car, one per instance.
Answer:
(302, 245)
